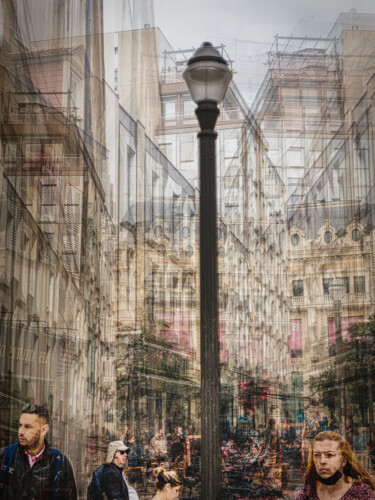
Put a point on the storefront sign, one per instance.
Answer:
(22, 354)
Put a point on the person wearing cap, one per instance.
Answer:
(114, 483)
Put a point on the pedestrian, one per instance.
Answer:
(158, 447)
(113, 480)
(334, 472)
(168, 484)
(31, 469)
(135, 457)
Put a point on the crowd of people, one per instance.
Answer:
(32, 469)
(252, 459)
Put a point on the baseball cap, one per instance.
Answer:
(113, 447)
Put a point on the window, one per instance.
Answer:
(294, 157)
(359, 284)
(259, 303)
(230, 109)
(158, 231)
(362, 173)
(53, 152)
(327, 237)
(189, 107)
(172, 280)
(189, 251)
(231, 209)
(166, 149)
(33, 151)
(11, 152)
(291, 96)
(356, 235)
(310, 97)
(168, 107)
(327, 282)
(292, 184)
(231, 148)
(297, 288)
(295, 239)
(24, 237)
(185, 231)
(115, 79)
(188, 280)
(161, 250)
(187, 151)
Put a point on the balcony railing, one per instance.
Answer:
(179, 119)
(349, 298)
(298, 301)
(61, 115)
(55, 163)
(319, 300)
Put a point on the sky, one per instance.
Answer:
(190, 22)
(247, 27)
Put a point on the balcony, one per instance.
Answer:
(298, 301)
(181, 119)
(349, 298)
(41, 118)
(46, 164)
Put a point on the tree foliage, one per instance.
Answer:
(324, 386)
(357, 362)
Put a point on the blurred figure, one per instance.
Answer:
(334, 472)
(323, 424)
(333, 424)
(135, 459)
(177, 444)
(175, 418)
(244, 425)
(270, 434)
(230, 449)
(350, 431)
(168, 484)
(158, 448)
(135, 453)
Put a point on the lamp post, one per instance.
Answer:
(207, 77)
(337, 290)
(368, 359)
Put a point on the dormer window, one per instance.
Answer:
(327, 237)
(295, 239)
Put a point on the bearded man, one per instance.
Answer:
(31, 469)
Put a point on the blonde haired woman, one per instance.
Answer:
(168, 484)
(334, 472)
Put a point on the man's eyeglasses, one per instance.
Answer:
(122, 451)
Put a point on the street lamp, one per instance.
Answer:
(369, 340)
(207, 77)
(337, 290)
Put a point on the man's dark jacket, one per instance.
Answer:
(113, 483)
(37, 482)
